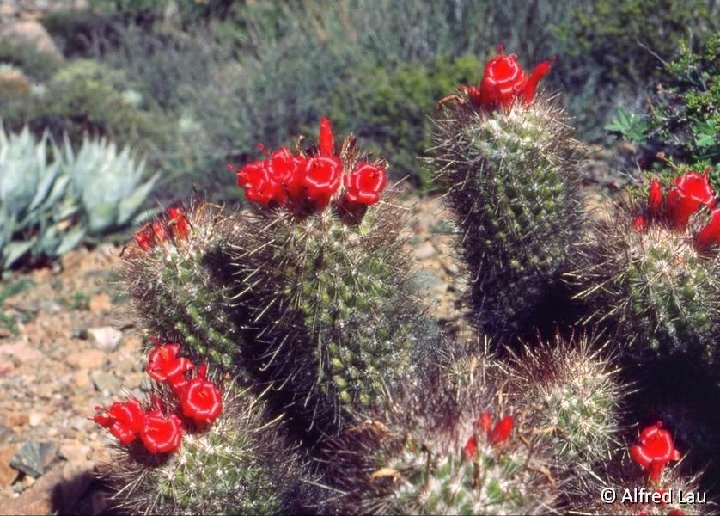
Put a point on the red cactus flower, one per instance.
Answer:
(502, 430)
(201, 400)
(165, 366)
(691, 190)
(710, 233)
(639, 224)
(287, 171)
(655, 450)
(325, 140)
(497, 435)
(145, 238)
(656, 198)
(256, 178)
(322, 178)
(161, 434)
(505, 82)
(365, 183)
(124, 419)
(179, 223)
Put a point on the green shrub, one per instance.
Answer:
(611, 50)
(684, 116)
(38, 66)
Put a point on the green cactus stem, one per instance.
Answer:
(181, 288)
(651, 286)
(513, 183)
(572, 392)
(329, 309)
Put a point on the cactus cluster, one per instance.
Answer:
(339, 392)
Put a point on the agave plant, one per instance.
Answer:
(35, 205)
(108, 182)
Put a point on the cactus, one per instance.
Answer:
(573, 393)
(345, 397)
(641, 272)
(445, 446)
(241, 464)
(513, 182)
(181, 285)
(108, 182)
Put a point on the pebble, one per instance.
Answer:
(88, 359)
(100, 303)
(105, 382)
(22, 351)
(425, 250)
(34, 457)
(106, 338)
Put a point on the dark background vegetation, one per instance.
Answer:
(192, 85)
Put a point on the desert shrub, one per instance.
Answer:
(683, 120)
(38, 66)
(88, 97)
(609, 51)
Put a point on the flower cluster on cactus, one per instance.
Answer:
(159, 231)
(305, 183)
(686, 197)
(504, 83)
(655, 450)
(494, 435)
(200, 403)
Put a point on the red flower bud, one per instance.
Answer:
(325, 140)
(691, 190)
(179, 223)
(485, 422)
(160, 231)
(639, 224)
(655, 450)
(710, 233)
(201, 400)
(145, 239)
(124, 419)
(322, 178)
(470, 448)
(656, 198)
(501, 431)
(161, 434)
(365, 183)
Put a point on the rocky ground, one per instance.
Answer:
(69, 342)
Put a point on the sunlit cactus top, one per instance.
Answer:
(686, 197)
(307, 182)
